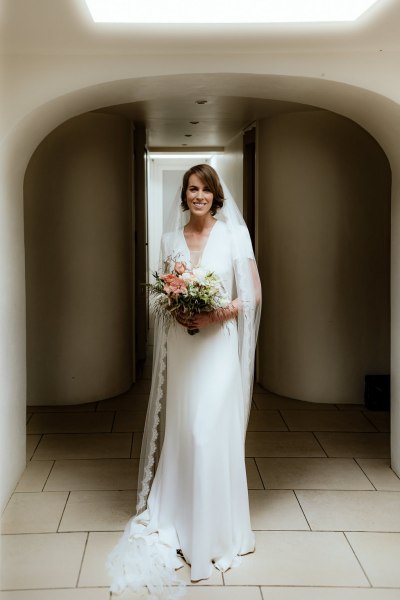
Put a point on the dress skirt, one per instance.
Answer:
(198, 502)
(199, 499)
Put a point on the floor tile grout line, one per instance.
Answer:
(283, 419)
(16, 485)
(113, 422)
(371, 422)
(82, 559)
(368, 457)
(59, 410)
(37, 444)
(337, 457)
(101, 490)
(38, 460)
(259, 473)
(70, 412)
(358, 560)
(48, 475)
(72, 531)
(120, 531)
(48, 589)
(312, 489)
(83, 433)
(302, 510)
(132, 442)
(331, 587)
(317, 531)
(313, 429)
(366, 475)
(319, 443)
(63, 511)
(276, 489)
(301, 457)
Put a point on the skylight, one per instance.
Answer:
(227, 11)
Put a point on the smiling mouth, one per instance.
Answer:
(199, 204)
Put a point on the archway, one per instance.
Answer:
(375, 113)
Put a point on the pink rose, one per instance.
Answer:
(173, 284)
(180, 267)
(178, 286)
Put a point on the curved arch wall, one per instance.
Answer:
(44, 91)
(78, 247)
(324, 257)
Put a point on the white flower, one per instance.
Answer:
(186, 276)
(200, 274)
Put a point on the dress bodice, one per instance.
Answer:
(216, 255)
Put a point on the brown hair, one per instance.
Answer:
(209, 176)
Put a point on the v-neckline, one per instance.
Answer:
(200, 252)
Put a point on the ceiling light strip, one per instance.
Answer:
(227, 11)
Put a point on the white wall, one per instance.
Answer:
(324, 251)
(12, 329)
(229, 166)
(40, 92)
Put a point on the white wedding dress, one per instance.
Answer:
(198, 500)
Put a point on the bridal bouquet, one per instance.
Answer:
(187, 292)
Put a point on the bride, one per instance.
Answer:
(193, 505)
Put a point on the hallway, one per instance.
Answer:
(324, 503)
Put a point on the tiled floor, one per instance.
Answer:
(325, 504)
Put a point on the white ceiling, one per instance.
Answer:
(64, 27)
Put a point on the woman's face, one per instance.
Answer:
(199, 197)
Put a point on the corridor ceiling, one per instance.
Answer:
(169, 120)
(64, 27)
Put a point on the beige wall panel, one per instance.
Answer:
(78, 262)
(324, 248)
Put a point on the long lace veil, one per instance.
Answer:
(248, 290)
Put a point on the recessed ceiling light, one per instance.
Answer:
(236, 11)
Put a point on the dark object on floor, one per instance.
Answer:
(377, 392)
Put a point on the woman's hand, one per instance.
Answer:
(219, 315)
(182, 319)
(202, 320)
(197, 322)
